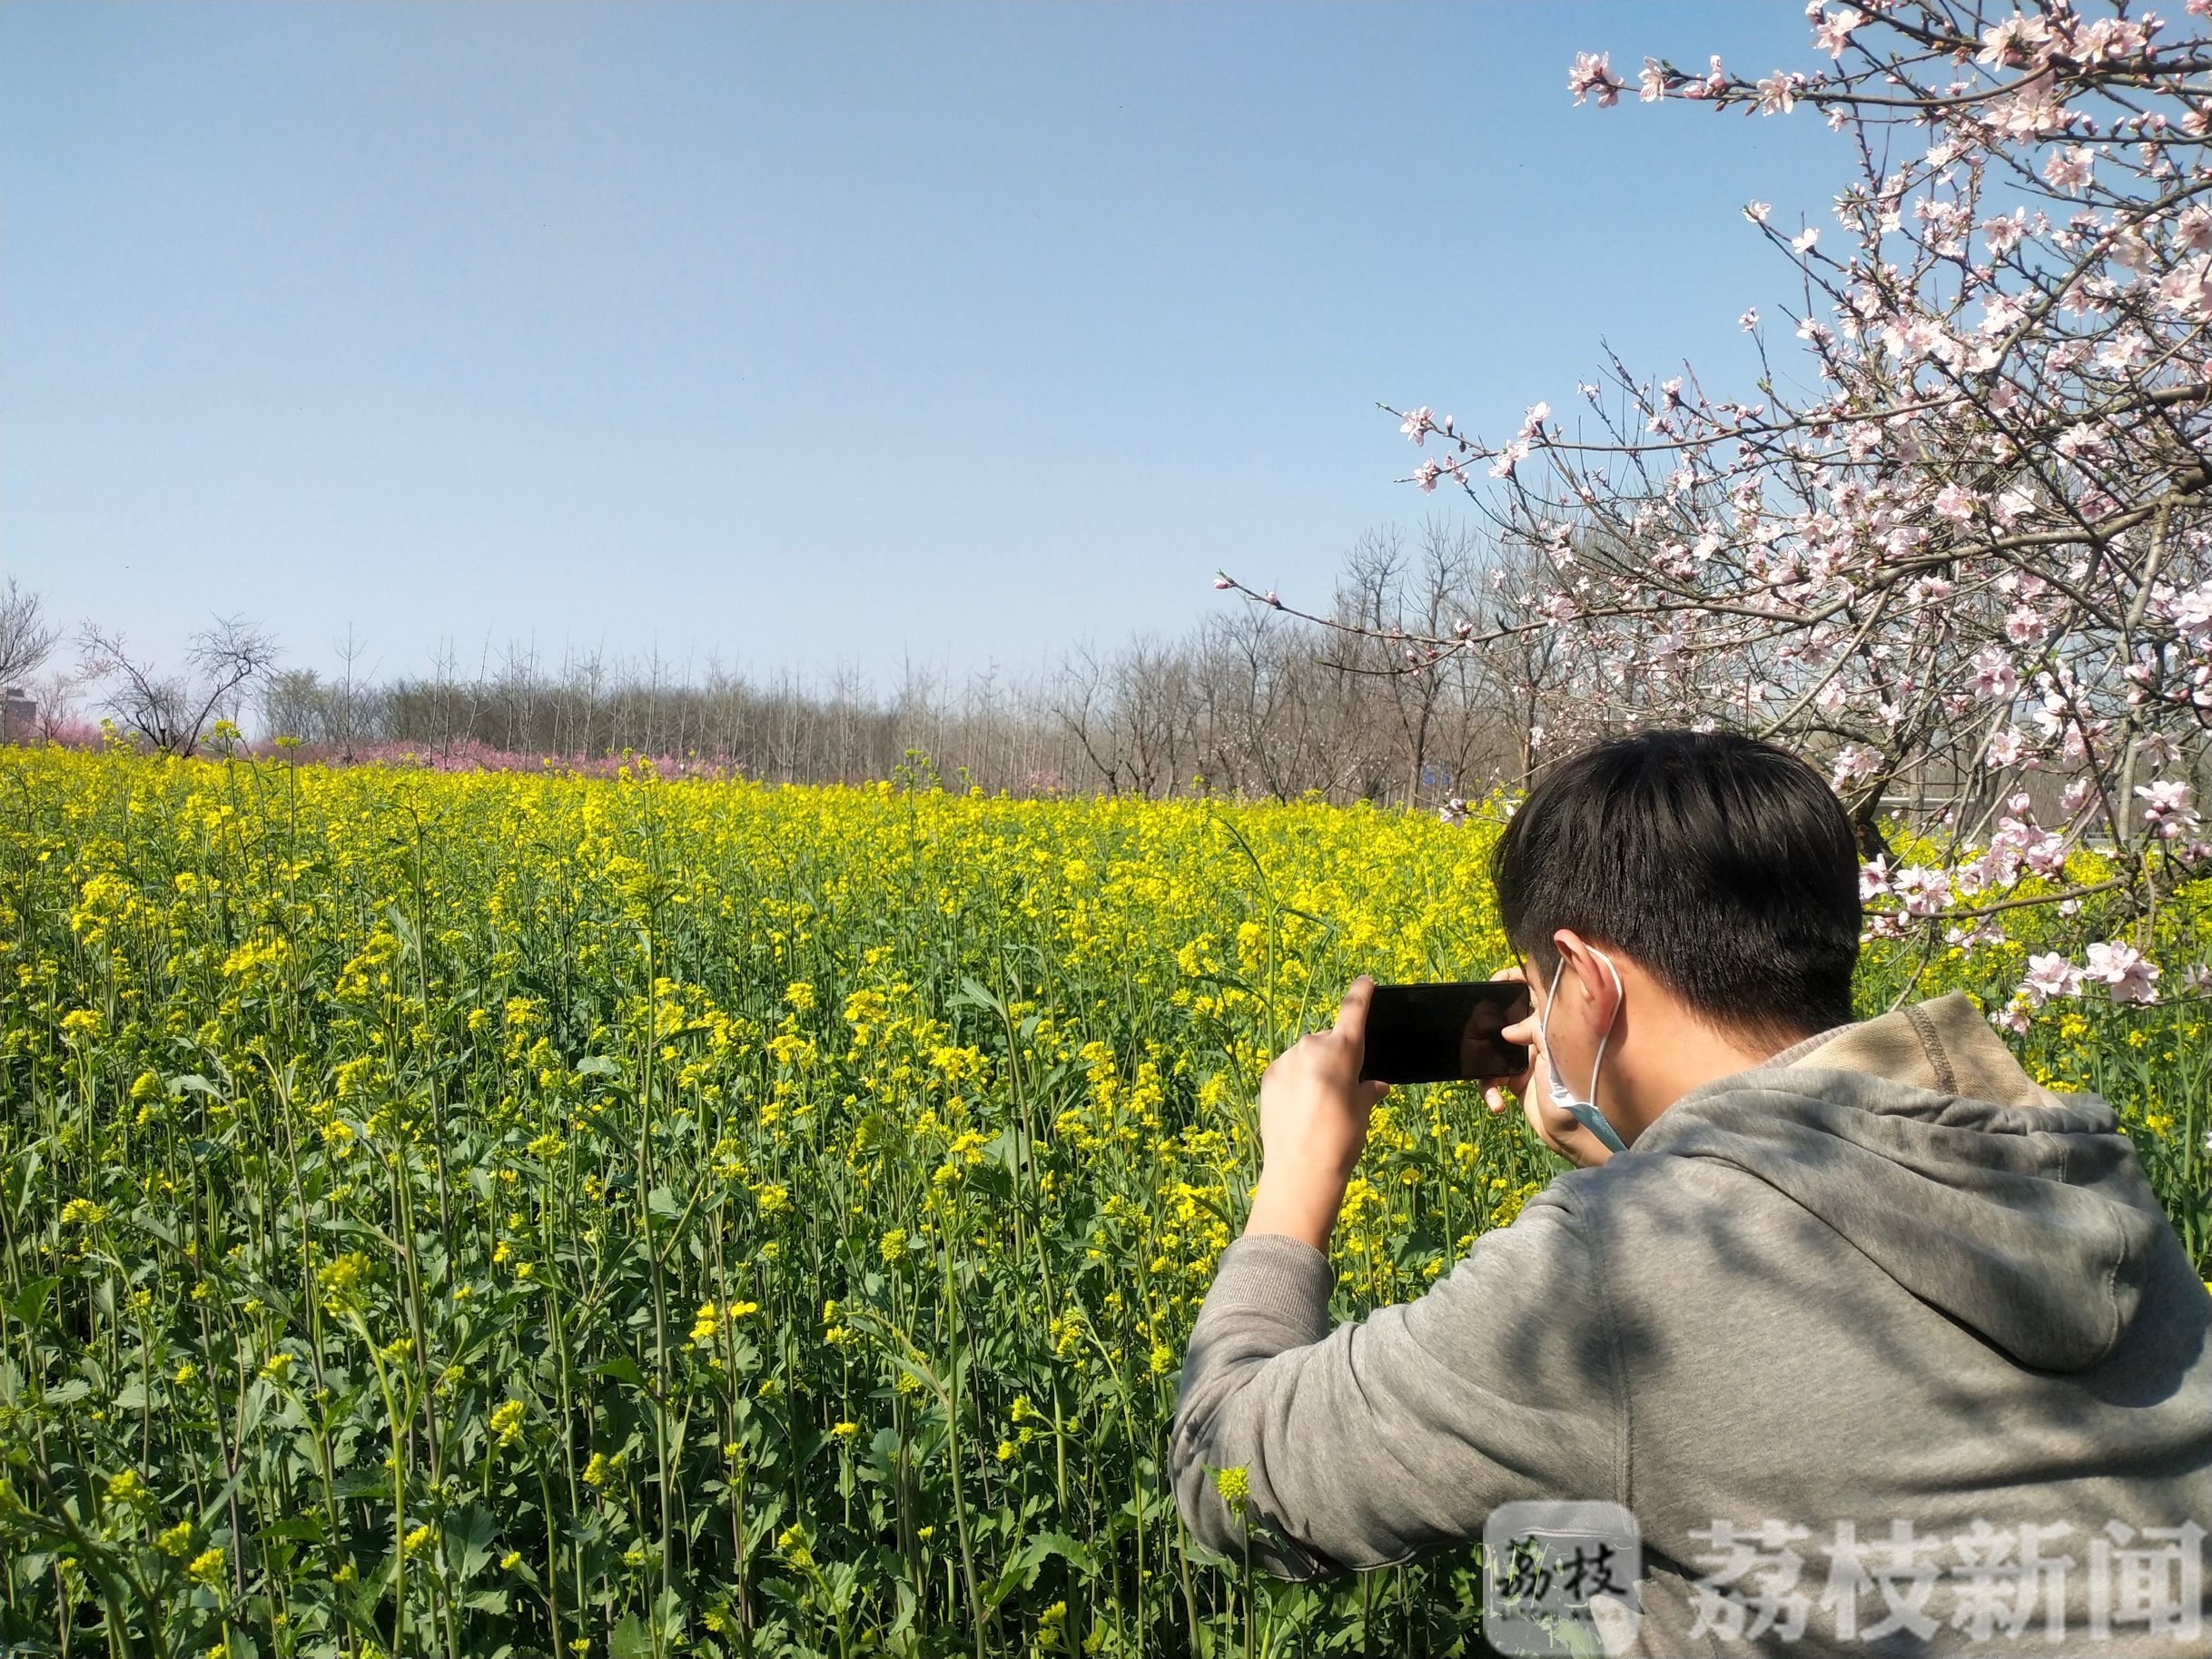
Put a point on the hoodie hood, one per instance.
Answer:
(2018, 1212)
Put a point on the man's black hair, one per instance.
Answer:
(1725, 866)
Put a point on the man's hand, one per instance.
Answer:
(1557, 1129)
(1313, 1125)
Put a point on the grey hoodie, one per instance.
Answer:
(1882, 1281)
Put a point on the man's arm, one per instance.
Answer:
(1384, 1438)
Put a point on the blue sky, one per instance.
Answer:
(815, 335)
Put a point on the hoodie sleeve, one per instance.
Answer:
(1389, 1437)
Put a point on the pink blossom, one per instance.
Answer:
(1424, 475)
(1956, 503)
(2158, 751)
(1995, 676)
(2049, 975)
(2079, 439)
(1756, 211)
(1592, 76)
(1874, 880)
(1853, 762)
(1930, 590)
(2188, 287)
(1833, 32)
(1417, 425)
(1778, 94)
(2010, 42)
(2047, 855)
(2024, 625)
(2190, 612)
(2125, 969)
(2001, 315)
(2005, 748)
(2030, 111)
(1923, 891)
(2110, 38)
(2068, 169)
(2003, 233)
(1651, 81)
(2126, 350)
(2168, 809)
(1222, 581)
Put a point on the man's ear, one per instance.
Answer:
(1598, 991)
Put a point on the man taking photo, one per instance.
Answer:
(1883, 1347)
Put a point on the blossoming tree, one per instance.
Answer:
(1956, 546)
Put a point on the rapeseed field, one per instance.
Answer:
(501, 1215)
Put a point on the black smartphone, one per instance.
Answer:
(1444, 1034)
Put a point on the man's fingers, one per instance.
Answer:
(1352, 1016)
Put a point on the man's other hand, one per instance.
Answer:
(1524, 1034)
(1313, 1125)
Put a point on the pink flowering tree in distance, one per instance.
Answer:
(1954, 547)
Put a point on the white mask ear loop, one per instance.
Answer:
(1619, 996)
(1584, 1111)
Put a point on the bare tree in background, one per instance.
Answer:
(341, 713)
(172, 709)
(1523, 671)
(26, 637)
(1080, 701)
(1389, 593)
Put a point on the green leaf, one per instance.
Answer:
(622, 1368)
(1032, 1555)
(469, 1535)
(669, 1615)
(631, 1640)
(30, 1308)
(975, 993)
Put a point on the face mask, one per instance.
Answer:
(1585, 1112)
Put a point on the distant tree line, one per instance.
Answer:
(1253, 701)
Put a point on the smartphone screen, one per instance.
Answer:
(1443, 1032)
